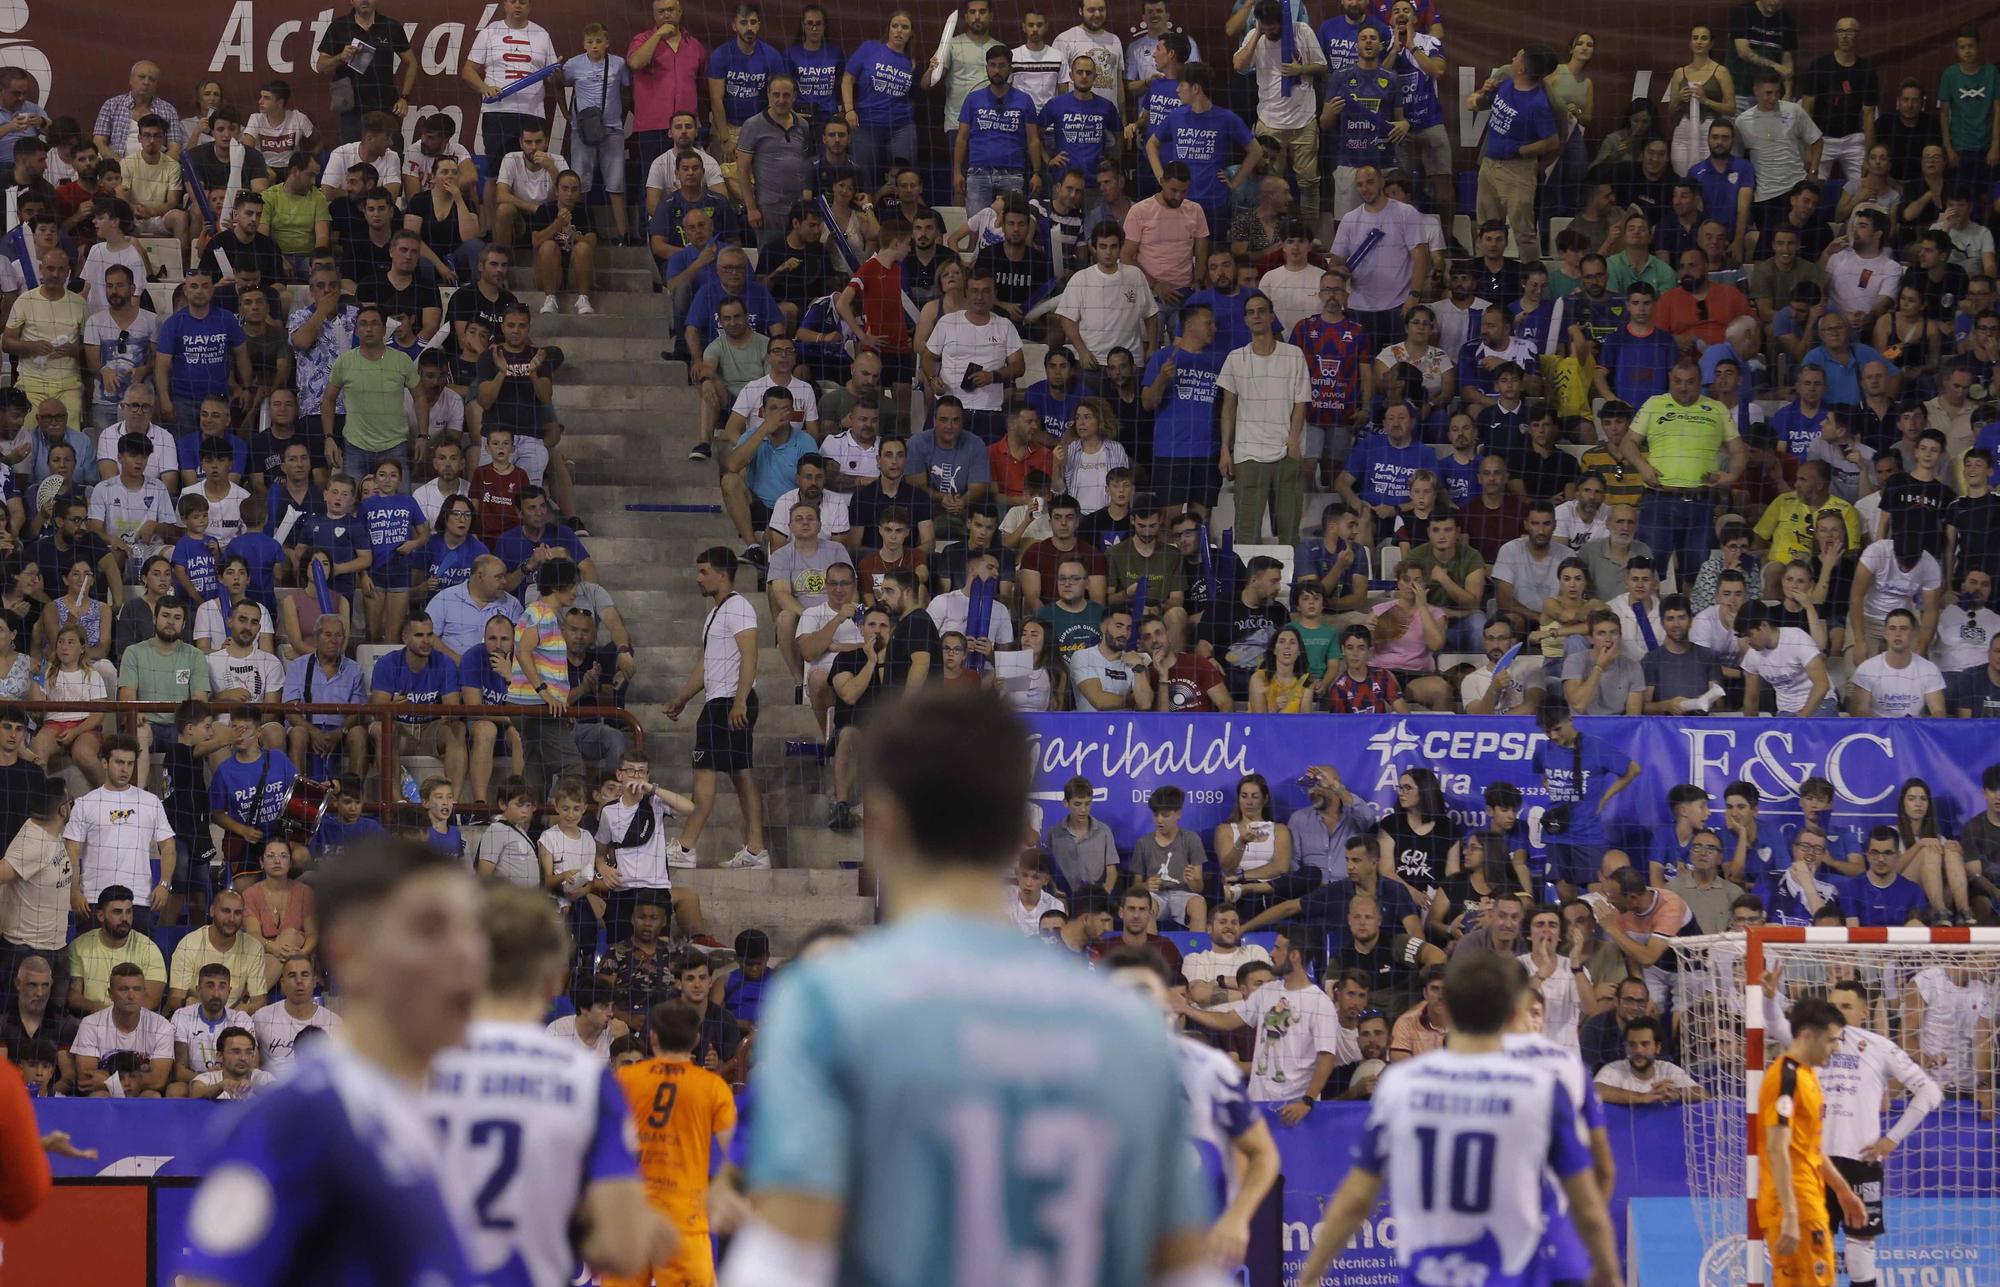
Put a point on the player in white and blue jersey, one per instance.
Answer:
(945, 1103)
(1563, 1261)
(1224, 1127)
(1463, 1136)
(331, 1179)
(535, 1131)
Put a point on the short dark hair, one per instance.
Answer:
(1816, 1014)
(959, 811)
(674, 1025)
(1481, 991)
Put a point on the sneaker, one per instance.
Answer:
(838, 817)
(575, 524)
(681, 856)
(583, 308)
(701, 451)
(747, 861)
(549, 304)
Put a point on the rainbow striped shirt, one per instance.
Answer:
(551, 656)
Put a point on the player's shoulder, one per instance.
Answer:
(1203, 1063)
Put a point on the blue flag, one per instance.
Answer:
(321, 588)
(978, 619)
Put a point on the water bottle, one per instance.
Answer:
(410, 792)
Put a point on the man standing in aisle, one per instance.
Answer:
(1287, 108)
(369, 53)
(1265, 392)
(1674, 443)
(723, 732)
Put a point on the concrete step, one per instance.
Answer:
(622, 324)
(611, 279)
(579, 349)
(644, 370)
(628, 305)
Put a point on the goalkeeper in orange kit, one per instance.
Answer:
(1793, 1173)
(681, 1112)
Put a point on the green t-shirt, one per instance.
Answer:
(374, 397)
(1463, 563)
(1971, 100)
(1165, 572)
(175, 675)
(738, 365)
(1654, 273)
(293, 219)
(1072, 631)
(1320, 640)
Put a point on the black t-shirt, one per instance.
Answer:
(1976, 519)
(864, 511)
(392, 299)
(1104, 529)
(1015, 281)
(1544, 477)
(440, 232)
(1199, 593)
(1653, 196)
(1238, 640)
(1392, 980)
(1814, 238)
(375, 88)
(1940, 297)
(851, 662)
(948, 565)
(1839, 93)
(267, 450)
(1974, 692)
(17, 782)
(260, 251)
(517, 408)
(54, 562)
(1500, 285)
(914, 633)
(187, 797)
(468, 303)
(361, 258)
(1420, 860)
(212, 166)
(345, 221)
(1916, 507)
(801, 283)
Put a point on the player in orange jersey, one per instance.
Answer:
(681, 1110)
(1793, 1173)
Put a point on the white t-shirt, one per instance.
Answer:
(1293, 292)
(1207, 967)
(1267, 387)
(447, 413)
(1952, 1015)
(1293, 1029)
(721, 658)
(959, 343)
(530, 182)
(951, 611)
(225, 516)
(506, 55)
(259, 1081)
(418, 164)
(805, 400)
(1029, 919)
(200, 1036)
(166, 453)
(1109, 309)
(1104, 47)
(855, 460)
(564, 1029)
(278, 1032)
(259, 672)
(1710, 633)
(388, 166)
(1085, 472)
(1962, 637)
(660, 175)
(1113, 674)
(430, 498)
(1783, 666)
(1038, 73)
(833, 519)
(1277, 109)
(1573, 530)
(1898, 693)
(124, 511)
(641, 866)
(102, 257)
(567, 856)
(119, 831)
(1666, 1076)
(212, 632)
(277, 140)
(814, 619)
(99, 1035)
(1383, 279)
(1561, 1007)
(1854, 284)
(1897, 587)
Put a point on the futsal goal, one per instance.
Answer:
(1934, 992)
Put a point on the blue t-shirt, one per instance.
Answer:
(775, 465)
(450, 840)
(1519, 117)
(744, 77)
(817, 74)
(1871, 904)
(955, 469)
(263, 554)
(1057, 413)
(1185, 426)
(1207, 141)
(334, 835)
(1637, 365)
(678, 262)
(1796, 431)
(882, 80)
(201, 350)
(391, 521)
(475, 670)
(344, 1136)
(1785, 904)
(341, 538)
(452, 567)
(233, 788)
(1601, 767)
(428, 686)
(1160, 99)
(187, 452)
(999, 138)
(1416, 91)
(1080, 128)
(1340, 39)
(515, 545)
(1460, 478)
(1382, 470)
(1231, 331)
(757, 301)
(195, 556)
(1843, 379)
(1365, 121)
(1719, 186)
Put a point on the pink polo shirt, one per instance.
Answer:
(1166, 238)
(668, 84)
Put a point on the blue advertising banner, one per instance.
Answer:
(1126, 756)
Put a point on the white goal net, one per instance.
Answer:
(1936, 994)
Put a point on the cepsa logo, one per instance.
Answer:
(1861, 766)
(1445, 750)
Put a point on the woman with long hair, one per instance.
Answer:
(1700, 90)
(1576, 97)
(1282, 684)
(71, 677)
(1251, 845)
(21, 603)
(278, 908)
(1409, 633)
(194, 129)
(875, 90)
(1908, 336)
(450, 553)
(1930, 858)
(1420, 350)
(565, 245)
(1876, 188)
(815, 63)
(1566, 613)
(17, 669)
(1044, 686)
(1089, 452)
(1420, 842)
(78, 607)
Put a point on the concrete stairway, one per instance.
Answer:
(628, 420)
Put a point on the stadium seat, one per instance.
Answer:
(953, 216)
(164, 253)
(1031, 355)
(1188, 941)
(1556, 225)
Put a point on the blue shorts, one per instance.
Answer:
(1561, 1260)
(1575, 864)
(398, 572)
